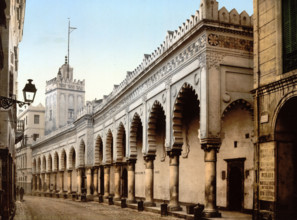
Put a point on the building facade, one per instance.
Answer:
(11, 31)
(179, 128)
(33, 120)
(275, 74)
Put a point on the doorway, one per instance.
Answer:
(235, 184)
(102, 180)
(124, 183)
(286, 138)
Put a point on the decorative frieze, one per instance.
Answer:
(230, 42)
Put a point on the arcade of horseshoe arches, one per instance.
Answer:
(178, 129)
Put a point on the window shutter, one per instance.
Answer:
(289, 11)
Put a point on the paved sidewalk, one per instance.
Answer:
(42, 208)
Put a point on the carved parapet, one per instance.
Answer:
(233, 17)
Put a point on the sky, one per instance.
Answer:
(111, 38)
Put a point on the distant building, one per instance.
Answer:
(275, 93)
(65, 96)
(33, 120)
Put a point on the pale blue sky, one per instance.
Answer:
(111, 38)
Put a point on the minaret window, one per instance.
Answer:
(36, 119)
(70, 113)
(50, 114)
(35, 136)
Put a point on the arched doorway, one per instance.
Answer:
(286, 139)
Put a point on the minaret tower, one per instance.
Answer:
(64, 97)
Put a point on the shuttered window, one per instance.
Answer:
(289, 14)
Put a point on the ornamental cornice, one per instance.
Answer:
(286, 83)
(243, 30)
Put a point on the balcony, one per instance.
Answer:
(19, 131)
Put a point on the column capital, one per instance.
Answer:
(118, 164)
(149, 157)
(131, 161)
(210, 152)
(207, 147)
(174, 152)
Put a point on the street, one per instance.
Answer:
(42, 208)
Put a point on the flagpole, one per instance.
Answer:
(68, 46)
(70, 29)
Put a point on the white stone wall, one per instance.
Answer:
(235, 126)
(191, 170)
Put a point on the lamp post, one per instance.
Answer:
(29, 92)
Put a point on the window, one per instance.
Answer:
(289, 22)
(70, 113)
(36, 119)
(50, 114)
(35, 136)
(10, 84)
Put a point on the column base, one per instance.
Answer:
(69, 195)
(211, 214)
(174, 208)
(149, 204)
(65, 195)
(83, 198)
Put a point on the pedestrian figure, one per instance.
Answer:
(21, 193)
(17, 191)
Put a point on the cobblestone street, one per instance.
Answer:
(41, 208)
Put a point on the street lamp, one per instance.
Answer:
(29, 92)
